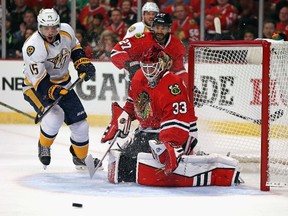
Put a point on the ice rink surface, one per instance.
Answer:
(27, 189)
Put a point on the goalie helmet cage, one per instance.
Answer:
(239, 89)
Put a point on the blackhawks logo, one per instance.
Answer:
(175, 89)
(143, 106)
(139, 35)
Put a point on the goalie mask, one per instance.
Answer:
(48, 24)
(153, 64)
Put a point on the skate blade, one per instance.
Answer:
(44, 167)
(80, 167)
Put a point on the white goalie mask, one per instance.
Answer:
(150, 6)
(153, 64)
(48, 18)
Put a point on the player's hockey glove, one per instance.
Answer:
(166, 154)
(120, 121)
(55, 91)
(83, 65)
(132, 67)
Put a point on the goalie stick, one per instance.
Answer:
(273, 117)
(217, 25)
(38, 118)
(89, 161)
(17, 110)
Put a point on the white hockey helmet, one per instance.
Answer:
(150, 6)
(48, 17)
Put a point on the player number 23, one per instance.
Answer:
(179, 107)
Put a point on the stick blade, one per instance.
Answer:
(89, 161)
(217, 25)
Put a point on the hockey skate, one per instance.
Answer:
(44, 155)
(80, 163)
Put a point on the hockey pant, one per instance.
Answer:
(69, 110)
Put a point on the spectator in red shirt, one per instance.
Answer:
(183, 26)
(171, 8)
(87, 13)
(196, 5)
(227, 14)
(118, 26)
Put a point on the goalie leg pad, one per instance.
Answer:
(122, 163)
(192, 171)
(121, 167)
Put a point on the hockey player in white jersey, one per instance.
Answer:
(46, 56)
(149, 11)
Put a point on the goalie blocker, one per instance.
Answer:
(193, 170)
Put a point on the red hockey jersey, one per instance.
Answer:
(133, 48)
(188, 30)
(165, 108)
(227, 15)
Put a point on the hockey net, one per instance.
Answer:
(241, 97)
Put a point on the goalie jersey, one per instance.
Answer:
(41, 57)
(165, 108)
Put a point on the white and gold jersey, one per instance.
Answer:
(138, 27)
(41, 57)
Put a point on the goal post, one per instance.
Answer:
(239, 89)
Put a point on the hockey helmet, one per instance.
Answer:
(154, 63)
(48, 18)
(162, 19)
(150, 6)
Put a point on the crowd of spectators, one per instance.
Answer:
(100, 24)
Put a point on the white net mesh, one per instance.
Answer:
(228, 94)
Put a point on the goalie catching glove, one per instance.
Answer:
(166, 154)
(120, 121)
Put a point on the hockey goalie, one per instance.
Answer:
(162, 150)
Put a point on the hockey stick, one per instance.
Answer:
(89, 160)
(38, 118)
(273, 117)
(17, 110)
(217, 25)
